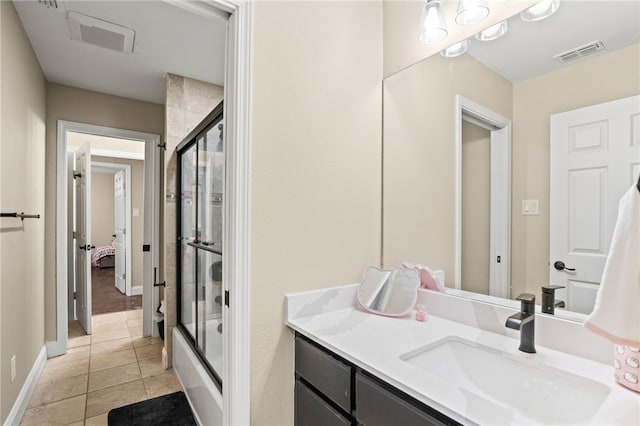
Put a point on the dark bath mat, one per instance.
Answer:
(172, 409)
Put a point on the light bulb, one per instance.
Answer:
(433, 27)
(472, 12)
(493, 32)
(540, 10)
(455, 49)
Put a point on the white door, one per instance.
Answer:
(83, 236)
(150, 295)
(119, 219)
(595, 153)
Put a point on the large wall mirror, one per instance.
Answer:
(480, 220)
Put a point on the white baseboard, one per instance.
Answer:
(136, 290)
(20, 406)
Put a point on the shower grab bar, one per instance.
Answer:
(204, 247)
(22, 216)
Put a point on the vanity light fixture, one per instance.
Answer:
(433, 27)
(494, 32)
(472, 12)
(540, 11)
(455, 49)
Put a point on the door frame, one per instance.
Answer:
(115, 167)
(238, 94)
(59, 346)
(500, 234)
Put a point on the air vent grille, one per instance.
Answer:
(580, 52)
(101, 33)
(49, 3)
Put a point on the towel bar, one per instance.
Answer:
(22, 216)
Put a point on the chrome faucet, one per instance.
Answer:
(525, 322)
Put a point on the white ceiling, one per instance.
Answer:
(528, 48)
(168, 39)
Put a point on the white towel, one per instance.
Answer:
(616, 315)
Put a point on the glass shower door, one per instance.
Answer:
(210, 199)
(201, 219)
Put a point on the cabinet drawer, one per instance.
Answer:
(377, 406)
(329, 375)
(311, 410)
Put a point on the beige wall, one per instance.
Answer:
(476, 207)
(419, 155)
(137, 222)
(102, 205)
(22, 142)
(188, 103)
(316, 159)
(84, 106)
(600, 79)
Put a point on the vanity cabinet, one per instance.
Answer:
(331, 391)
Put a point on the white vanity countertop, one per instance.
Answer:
(375, 343)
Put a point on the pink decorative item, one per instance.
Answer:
(421, 313)
(627, 366)
(427, 280)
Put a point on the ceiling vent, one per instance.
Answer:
(580, 52)
(101, 33)
(53, 4)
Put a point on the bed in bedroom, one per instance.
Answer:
(104, 257)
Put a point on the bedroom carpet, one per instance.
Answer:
(106, 297)
(172, 409)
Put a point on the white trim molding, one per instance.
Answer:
(22, 401)
(59, 346)
(500, 236)
(237, 232)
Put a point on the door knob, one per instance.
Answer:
(560, 266)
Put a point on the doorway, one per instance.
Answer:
(151, 173)
(475, 117)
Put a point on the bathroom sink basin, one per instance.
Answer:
(541, 393)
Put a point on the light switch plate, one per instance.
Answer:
(135, 212)
(530, 208)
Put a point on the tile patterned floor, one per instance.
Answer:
(113, 367)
